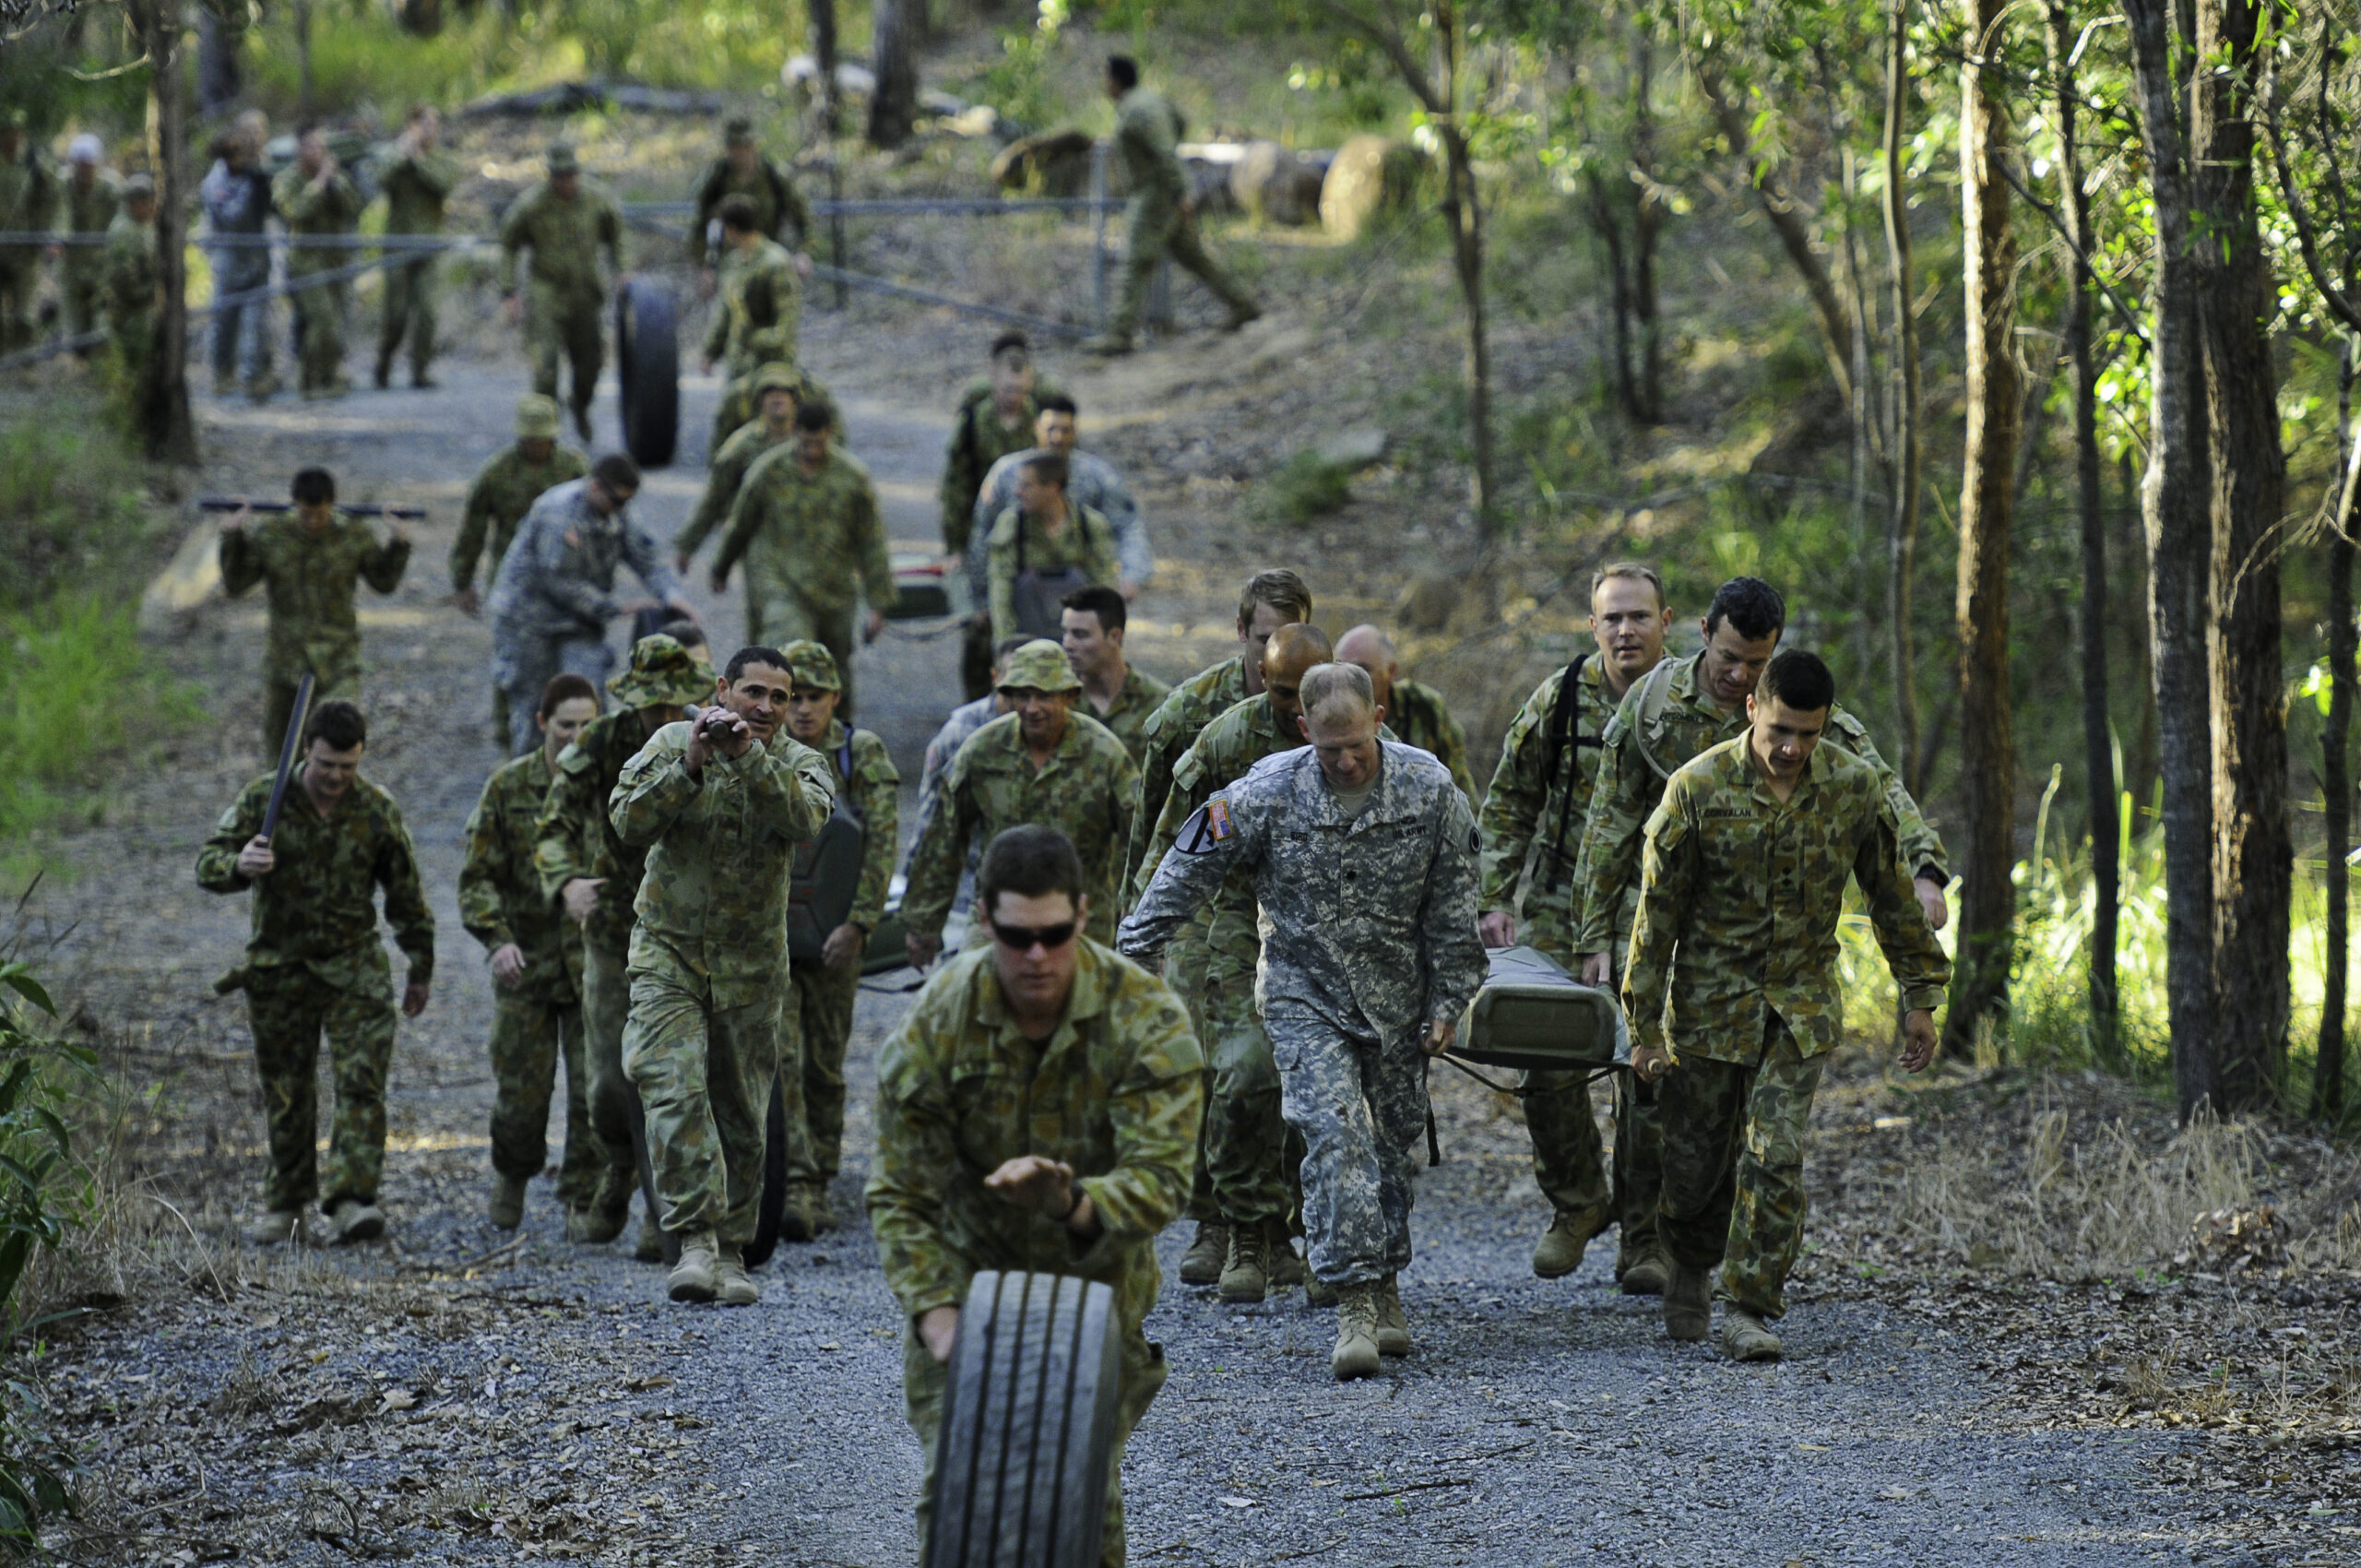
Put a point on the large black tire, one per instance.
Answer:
(647, 369)
(774, 1200)
(1028, 1425)
(647, 1175)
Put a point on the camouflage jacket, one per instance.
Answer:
(565, 238)
(776, 202)
(814, 538)
(873, 790)
(1086, 790)
(1147, 138)
(1423, 719)
(1090, 482)
(1368, 920)
(574, 839)
(1739, 898)
(712, 907)
(1116, 1093)
(416, 187)
(1139, 698)
(333, 207)
(310, 579)
(1532, 814)
(558, 577)
(754, 319)
(317, 907)
(1627, 789)
(503, 491)
(965, 720)
(500, 897)
(979, 439)
(129, 281)
(1167, 735)
(1020, 543)
(725, 476)
(90, 212)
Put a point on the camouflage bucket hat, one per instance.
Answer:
(813, 665)
(537, 418)
(562, 159)
(778, 376)
(1040, 665)
(662, 674)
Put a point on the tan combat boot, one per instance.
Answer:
(1688, 1302)
(1202, 1263)
(276, 1228)
(1560, 1251)
(799, 1219)
(351, 1220)
(1393, 1329)
(1745, 1339)
(507, 1209)
(697, 1277)
(1246, 1277)
(1356, 1352)
(733, 1286)
(1648, 1273)
(601, 1219)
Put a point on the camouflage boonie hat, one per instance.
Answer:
(813, 665)
(1040, 665)
(778, 376)
(537, 418)
(738, 131)
(662, 674)
(562, 159)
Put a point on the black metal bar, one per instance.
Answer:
(287, 749)
(351, 509)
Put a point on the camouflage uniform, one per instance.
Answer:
(1147, 135)
(754, 322)
(563, 292)
(1020, 545)
(504, 490)
(725, 476)
(129, 286)
(709, 951)
(1369, 924)
(417, 185)
(1113, 1093)
(740, 405)
(1422, 719)
(332, 208)
(1085, 790)
(1126, 718)
(28, 204)
(776, 202)
(815, 547)
(540, 1018)
(82, 273)
(315, 965)
(1749, 889)
(979, 439)
(310, 579)
(1090, 482)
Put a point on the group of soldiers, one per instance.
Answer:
(104, 242)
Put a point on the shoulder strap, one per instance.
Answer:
(1655, 692)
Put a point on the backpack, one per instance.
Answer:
(824, 872)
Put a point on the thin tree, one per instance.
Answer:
(893, 59)
(161, 401)
(1902, 530)
(823, 56)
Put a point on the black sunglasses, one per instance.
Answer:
(1024, 938)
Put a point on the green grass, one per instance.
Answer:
(1305, 487)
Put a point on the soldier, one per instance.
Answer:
(1272, 600)
(93, 197)
(315, 965)
(1092, 622)
(1363, 860)
(743, 170)
(756, 320)
(1042, 549)
(1532, 823)
(1091, 482)
(536, 964)
(129, 280)
(806, 522)
(418, 181)
(815, 1023)
(1246, 1140)
(566, 226)
(1746, 862)
(1040, 762)
(553, 599)
(1035, 1112)
(718, 803)
(236, 195)
(28, 204)
(318, 200)
(1162, 217)
(965, 720)
(995, 418)
(308, 561)
(1417, 713)
(594, 876)
(1680, 709)
(774, 388)
(504, 490)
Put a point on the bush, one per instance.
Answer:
(66, 509)
(1304, 487)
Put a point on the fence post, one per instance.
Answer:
(1098, 235)
(836, 215)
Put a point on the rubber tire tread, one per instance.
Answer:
(1028, 1425)
(647, 1176)
(648, 370)
(773, 1203)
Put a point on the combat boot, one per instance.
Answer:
(1393, 1329)
(1688, 1302)
(1560, 1251)
(733, 1286)
(1202, 1263)
(1648, 1273)
(697, 1277)
(278, 1228)
(601, 1219)
(1356, 1352)
(1745, 1339)
(823, 1213)
(582, 423)
(1287, 1268)
(385, 375)
(1316, 1290)
(352, 1220)
(1246, 1277)
(506, 1211)
(649, 1246)
(799, 1219)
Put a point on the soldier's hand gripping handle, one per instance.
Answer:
(1440, 1035)
(256, 859)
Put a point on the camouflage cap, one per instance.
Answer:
(140, 185)
(662, 674)
(562, 159)
(778, 376)
(738, 131)
(537, 418)
(813, 665)
(1040, 665)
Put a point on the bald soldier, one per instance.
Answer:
(1415, 712)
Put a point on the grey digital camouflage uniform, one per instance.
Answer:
(1091, 482)
(1368, 925)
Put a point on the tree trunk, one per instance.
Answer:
(1647, 228)
(166, 432)
(1462, 212)
(1987, 493)
(824, 53)
(1902, 530)
(1606, 222)
(2173, 497)
(894, 57)
(303, 57)
(2253, 852)
(219, 78)
(2336, 771)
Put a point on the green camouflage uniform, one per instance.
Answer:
(1020, 545)
(754, 324)
(1422, 719)
(1126, 718)
(979, 439)
(130, 289)
(776, 202)
(740, 405)
(564, 291)
(416, 188)
(1148, 136)
(82, 272)
(538, 1019)
(725, 476)
(1733, 964)
(709, 952)
(815, 547)
(815, 1022)
(28, 204)
(503, 491)
(332, 208)
(315, 965)
(310, 580)
(1113, 1093)
(1606, 874)
(1087, 791)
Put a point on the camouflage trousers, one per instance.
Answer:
(814, 1026)
(1251, 1156)
(703, 1076)
(1360, 1106)
(1734, 1167)
(533, 663)
(278, 708)
(411, 292)
(776, 616)
(1158, 231)
(1568, 1159)
(606, 1007)
(1638, 1168)
(561, 327)
(529, 1037)
(1144, 1371)
(1184, 971)
(85, 293)
(288, 1009)
(320, 310)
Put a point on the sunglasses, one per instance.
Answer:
(1024, 938)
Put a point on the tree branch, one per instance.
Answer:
(1390, 41)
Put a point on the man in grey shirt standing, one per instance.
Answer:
(235, 194)
(1090, 482)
